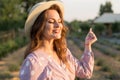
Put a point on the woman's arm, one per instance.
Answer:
(32, 68)
(84, 67)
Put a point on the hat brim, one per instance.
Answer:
(35, 12)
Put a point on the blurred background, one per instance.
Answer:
(102, 15)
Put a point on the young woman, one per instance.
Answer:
(47, 56)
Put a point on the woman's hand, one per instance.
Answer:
(90, 38)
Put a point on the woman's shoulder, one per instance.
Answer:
(68, 51)
(37, 57)
(37, 54)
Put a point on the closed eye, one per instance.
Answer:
(59, 21)
(51, 21)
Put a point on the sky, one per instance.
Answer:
(86, 9)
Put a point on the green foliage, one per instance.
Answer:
(105, 8)
(99, 28)
(116, 27)
(21, 41)
(6, 47)
(75, 26)
(13, 67)
(11, 14)
(114, 76)
(11, 45)
(27, 4)
(14, 13)
(100, 62)
(5, 75)
(85, 26)
(106, 68)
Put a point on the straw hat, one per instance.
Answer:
(35, 12)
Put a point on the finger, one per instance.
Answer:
(90, 30)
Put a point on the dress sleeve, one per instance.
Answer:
(84, 66)
(31, 69)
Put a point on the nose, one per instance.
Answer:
(56, 24)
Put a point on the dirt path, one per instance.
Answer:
(10, 65)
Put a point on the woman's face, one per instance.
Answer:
(53, 25)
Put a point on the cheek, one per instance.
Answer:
(61, 26)
(48, 29)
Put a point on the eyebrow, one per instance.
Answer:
(55, 19)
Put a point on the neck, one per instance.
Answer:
(48, 45)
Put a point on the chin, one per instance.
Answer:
(57, 37)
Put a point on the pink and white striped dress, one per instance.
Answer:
(39, 66)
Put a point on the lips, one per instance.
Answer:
(56, 31)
